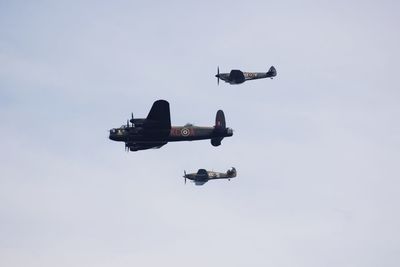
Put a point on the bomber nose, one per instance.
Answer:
(111, 135)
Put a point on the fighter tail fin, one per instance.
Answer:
(231, 173)
(271, 72)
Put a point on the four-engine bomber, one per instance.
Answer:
(156, 130)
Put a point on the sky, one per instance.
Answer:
(316, 149)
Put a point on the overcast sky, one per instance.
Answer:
(317, 149)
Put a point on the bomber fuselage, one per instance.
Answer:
(176, 133)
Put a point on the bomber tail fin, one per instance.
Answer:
(219, 128)
(220, 123)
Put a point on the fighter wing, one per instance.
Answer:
(237, 76)
(159, 116)
(143, 146)
(202, 174)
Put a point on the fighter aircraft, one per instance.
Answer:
(156, 130)
(238, 76)
(203, 176)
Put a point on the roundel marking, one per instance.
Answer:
(185, 132)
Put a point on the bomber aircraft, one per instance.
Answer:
(238, 76)
(203, 176)
(156, 130)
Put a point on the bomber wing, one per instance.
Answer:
(143, 146)
(159, 116)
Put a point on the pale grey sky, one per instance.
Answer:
(317, 149)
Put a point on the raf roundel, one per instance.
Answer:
(185, 132)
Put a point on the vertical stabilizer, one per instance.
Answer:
(219, 128)
(271, 72)
(220, 120)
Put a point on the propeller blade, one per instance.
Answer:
(127, 123)
(218, 75)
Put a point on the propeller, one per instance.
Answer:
(217, 75)
(184, 175)
(132, 120)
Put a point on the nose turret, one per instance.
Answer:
(112, 134)
(117, 134)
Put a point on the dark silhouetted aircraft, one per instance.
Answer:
(238, 76)
(156, 130)
(203, 176)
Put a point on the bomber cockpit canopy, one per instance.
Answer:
(118, 130)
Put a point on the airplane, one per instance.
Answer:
(155, 131)
(203, 176)
(238, 76)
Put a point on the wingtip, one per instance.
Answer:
(161, 101)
